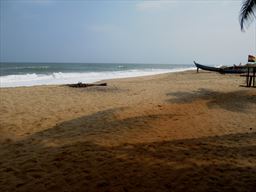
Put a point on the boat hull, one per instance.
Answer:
(207, 68)
(228, 70)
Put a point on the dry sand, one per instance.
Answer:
(183, 131)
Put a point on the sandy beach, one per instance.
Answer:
(183, 131)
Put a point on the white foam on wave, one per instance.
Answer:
(86, 77)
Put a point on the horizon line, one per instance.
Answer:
(97, 63)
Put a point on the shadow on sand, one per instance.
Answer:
(237, 101)
(223, 163)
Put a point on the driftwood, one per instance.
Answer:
(80, 84)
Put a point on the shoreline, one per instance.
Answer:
(68, 80)
(171, 131)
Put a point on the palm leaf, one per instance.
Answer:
(247, 12)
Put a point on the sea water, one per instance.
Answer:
(30, 74)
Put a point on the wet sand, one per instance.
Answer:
(182, 131)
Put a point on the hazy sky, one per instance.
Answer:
(124, 31)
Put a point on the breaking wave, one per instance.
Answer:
(85, 77)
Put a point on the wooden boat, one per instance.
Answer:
(207, 68)
(223, 70)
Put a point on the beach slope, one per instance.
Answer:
(183, 131)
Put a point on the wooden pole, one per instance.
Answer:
(247, 76)
(254, 71)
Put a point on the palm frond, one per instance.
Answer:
(247, 12)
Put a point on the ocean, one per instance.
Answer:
(30, 74)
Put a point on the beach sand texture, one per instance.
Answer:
(182, 131)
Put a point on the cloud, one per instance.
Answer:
(153, 5)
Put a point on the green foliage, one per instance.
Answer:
(247, 12)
